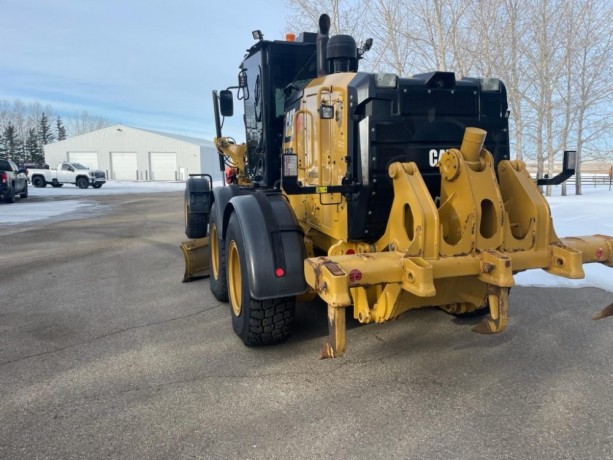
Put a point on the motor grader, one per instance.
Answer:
(373, 192)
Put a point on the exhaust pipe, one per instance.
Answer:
(322, 44)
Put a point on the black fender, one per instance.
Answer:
(222, 196)
(274, 242)
(198, 194)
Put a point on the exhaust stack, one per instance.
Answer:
(322, 44)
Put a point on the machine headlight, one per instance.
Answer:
(386, 80)
(490, 84)
(326, 112)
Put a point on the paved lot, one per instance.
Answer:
(104, 353)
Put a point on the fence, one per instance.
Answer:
(596, 179)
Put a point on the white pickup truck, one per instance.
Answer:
(67, 173)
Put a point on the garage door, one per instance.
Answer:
(124, 166)
(163, 166)
(89, 159)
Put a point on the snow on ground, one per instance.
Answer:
(587, 214)
(29, 210)
(590, 213)
(36, 210)
(112, 187)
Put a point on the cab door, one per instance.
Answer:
(66, 173)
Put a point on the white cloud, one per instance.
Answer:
(146, 64)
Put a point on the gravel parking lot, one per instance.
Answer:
(104, 353)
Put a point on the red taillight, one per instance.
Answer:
(350, 252)
(3, 177)
(279, 272)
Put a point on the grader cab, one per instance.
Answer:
(373, 192)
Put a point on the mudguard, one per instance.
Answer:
(222, 196)
(274, 243)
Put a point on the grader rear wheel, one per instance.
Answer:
(256, 322)
(195, 223)
(218, 281)
(235, 280)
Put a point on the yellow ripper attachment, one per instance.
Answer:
(196, 253)
(460, 255)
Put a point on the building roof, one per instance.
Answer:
(190, 140)
(187, 139)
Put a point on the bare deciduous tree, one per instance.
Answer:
(592, 63)
(553, 55)
(83, 122)
(23, 118)
(346, 16)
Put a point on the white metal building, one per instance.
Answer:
(126, 153)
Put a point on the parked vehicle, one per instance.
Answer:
(13, 181)
(67, 173)
(35, 166)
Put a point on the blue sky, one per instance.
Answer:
(149, 64)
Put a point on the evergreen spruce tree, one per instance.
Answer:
(33, 151)
(11, 144)
(61, 130)
(45, 135)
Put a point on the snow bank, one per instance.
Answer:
(34, 210)
(587, 214)
(110, 188)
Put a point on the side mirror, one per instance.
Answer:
(226, 103)
(71, 169)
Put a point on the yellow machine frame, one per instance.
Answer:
(460, 255)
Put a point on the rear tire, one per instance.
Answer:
(195, 224)
(9, 197)
(218, 280)
(256, 322)
(39, 182)
(82, 183)
(24, 194)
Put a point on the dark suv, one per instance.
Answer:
(13, 181)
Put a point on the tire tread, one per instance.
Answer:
(196, 226)
(270, 321)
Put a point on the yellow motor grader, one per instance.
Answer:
(371, 191)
